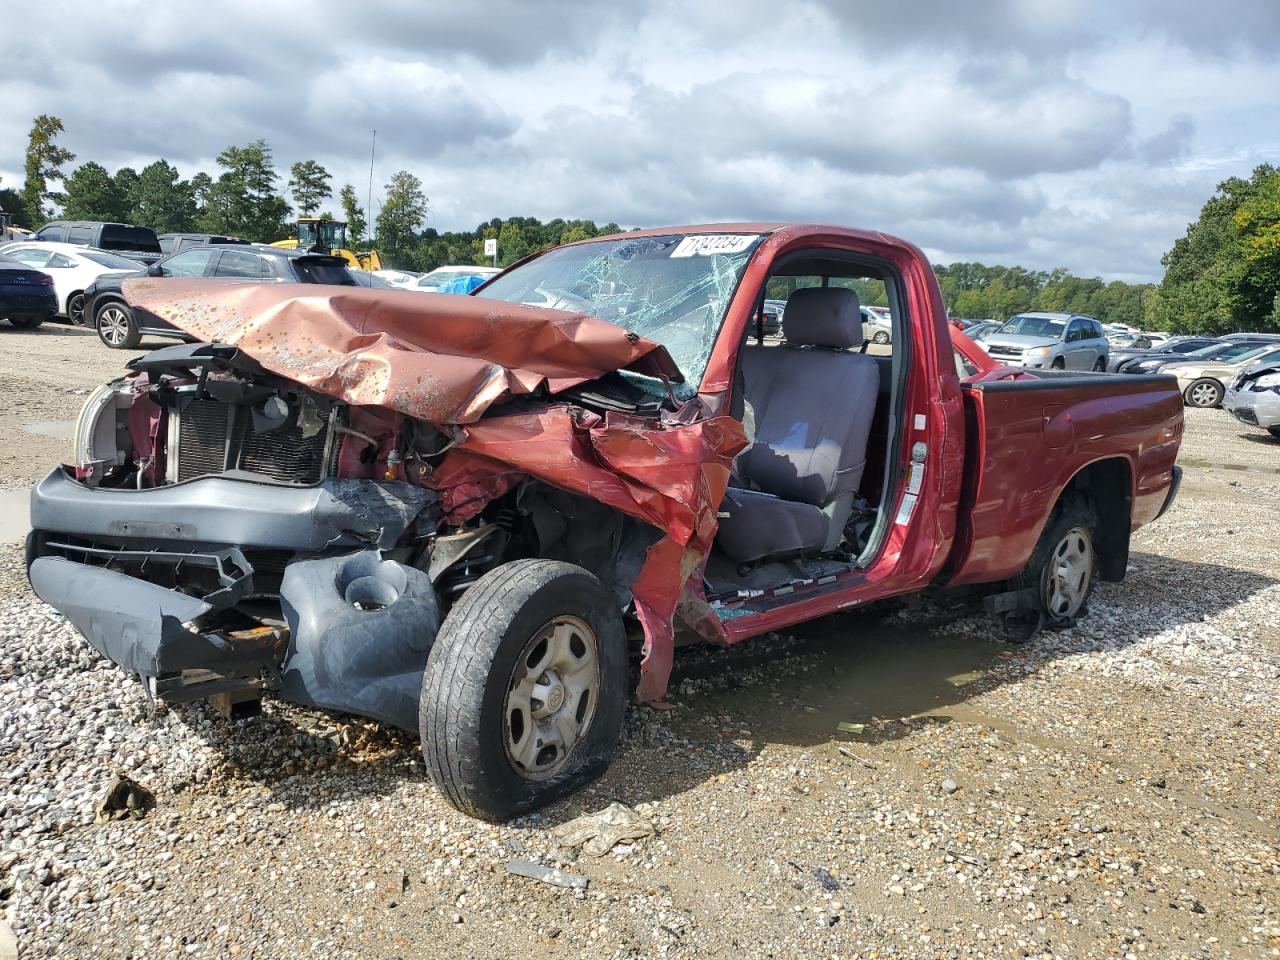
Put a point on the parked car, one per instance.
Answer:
(1171, 350)
(27, 297)
(119, 326)
(441, 512)
(1204, 383)
(369, 278)
(136, 243)
(72, 268)
(876, 327)
(1222, 351)
(441, 275)
(177, 242)
(1123, 339)
(1253, 397)
(1268, 337)
(979, 332)
(399, 278)
(1053, 341)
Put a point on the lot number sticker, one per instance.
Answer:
(710, 244)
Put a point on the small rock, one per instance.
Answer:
(826, 879)
(949, 786)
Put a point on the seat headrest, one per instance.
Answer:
(823, 317)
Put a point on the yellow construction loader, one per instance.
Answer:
(330, 236)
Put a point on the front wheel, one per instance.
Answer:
(1274, 431)
(525, 689)
(75, 309)
(1204, 393)
(117, 328)
(1058, 364)
(880, 337)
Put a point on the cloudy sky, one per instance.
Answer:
(1043, 133)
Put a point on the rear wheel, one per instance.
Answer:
(116, 326)
(880, 336)
(28, 323)
(1274, 431)
(525, 689)
(1204, 393)
(1100, 365)
(75, 309)
(1061, 572)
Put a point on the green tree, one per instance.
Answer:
(354, 215)
(309, 184)
(91, 193)
(403, 212)
(1223, 274)
(45, 160)
(243, 200)
(11, 203)
(162, 200)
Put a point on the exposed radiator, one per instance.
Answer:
(208, 437)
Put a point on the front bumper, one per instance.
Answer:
(114, 562)
(1257, 408)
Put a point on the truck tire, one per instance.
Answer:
(116, 326)
(1061, 572)
(1204, 393)
(525, 689)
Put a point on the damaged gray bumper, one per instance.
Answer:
(358, 626)
(244, 513)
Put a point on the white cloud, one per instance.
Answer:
(1018, 131)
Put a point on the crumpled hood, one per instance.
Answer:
(435, 357)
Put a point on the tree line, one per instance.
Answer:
(1223, 275)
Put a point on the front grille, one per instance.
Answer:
(209, 437)
(1013, 352)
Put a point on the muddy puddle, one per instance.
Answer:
(855, 674)
(56, 429)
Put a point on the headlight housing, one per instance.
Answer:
(95, 444)
(1268, 381)
(1037, 352)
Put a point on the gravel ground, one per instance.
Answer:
(1104, 791)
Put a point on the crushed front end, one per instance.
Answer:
(225, 529)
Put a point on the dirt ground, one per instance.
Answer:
(907, 788)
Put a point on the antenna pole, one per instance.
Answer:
(373, 148)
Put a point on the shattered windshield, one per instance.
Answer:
(673, 290)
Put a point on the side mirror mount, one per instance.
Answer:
(155, 270)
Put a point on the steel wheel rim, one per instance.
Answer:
(114, 325)
(551, 698)
(1203, 395)
(1067, 574)
(75, 310)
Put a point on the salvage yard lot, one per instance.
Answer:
(1115, 783)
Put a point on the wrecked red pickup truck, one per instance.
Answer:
(442, 512)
